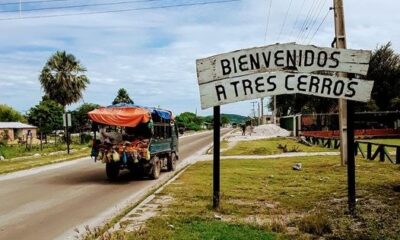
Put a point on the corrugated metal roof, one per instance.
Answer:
(17, 125)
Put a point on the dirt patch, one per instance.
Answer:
(259, 132)
(265, 204)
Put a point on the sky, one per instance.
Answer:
(152, 53)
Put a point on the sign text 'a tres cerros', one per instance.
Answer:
(282, 69)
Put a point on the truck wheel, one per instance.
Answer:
(156, 168)
(112, 171)
(171, 162)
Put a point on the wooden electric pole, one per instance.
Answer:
(262, 111)
(340, 39)
(346, 113)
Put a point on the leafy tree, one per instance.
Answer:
(189, 121)
(395, 103)
(8, 114)
(384, 68)
(300, 103)
(122, 97)
(80, 117)
(63, 79)
(47, 115)
(225, 120)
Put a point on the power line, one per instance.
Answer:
(284, 21)
(306, 20)
(269, 14)
(120, 10)
(297, 17)
(314, 20)
(79, 6)
(309, 20)
(323, 20)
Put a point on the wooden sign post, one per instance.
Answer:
(216, 155)
(278, 69)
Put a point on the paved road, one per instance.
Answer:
(49, 204)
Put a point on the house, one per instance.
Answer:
(15, 130)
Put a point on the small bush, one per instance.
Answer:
(316, 223)
(193, 126)
(86, 138)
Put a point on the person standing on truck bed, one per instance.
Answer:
(110, 137)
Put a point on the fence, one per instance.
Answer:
(327, 124)
(381, 151)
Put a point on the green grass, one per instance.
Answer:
(263, 196)
(14, 151)
(224, 144)
(197, 228)
(392, 141)
(7, 166)
(270, 146)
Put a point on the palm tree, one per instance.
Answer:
(122, 97)
(63, 79)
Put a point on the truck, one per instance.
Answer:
(143, 140)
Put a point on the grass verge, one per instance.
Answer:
(270, 146)
(15, 151)
(7, 166)
(266, 199)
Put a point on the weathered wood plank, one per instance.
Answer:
(278, 57)
(268, 84)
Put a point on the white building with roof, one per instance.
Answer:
(16, 130)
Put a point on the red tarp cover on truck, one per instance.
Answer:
(120, 116)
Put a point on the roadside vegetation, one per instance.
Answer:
(77, 151)
(192, 122)
(266, 199)
(23, 156)
(271, 146)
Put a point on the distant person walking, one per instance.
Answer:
(243, 126)
(251, 129)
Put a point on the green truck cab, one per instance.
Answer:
(141, 139)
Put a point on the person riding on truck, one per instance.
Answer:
(110, 137)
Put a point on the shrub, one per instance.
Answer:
(86, 138)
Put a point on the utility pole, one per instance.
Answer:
(254, 109)
(346, 113)
(340, 39)
(262, 111)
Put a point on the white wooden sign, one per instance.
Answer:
(282, 69)
(268, 84)
(68, 119)
(279, 57)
